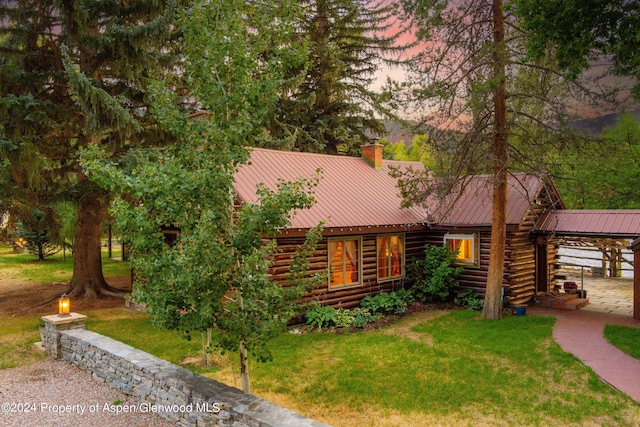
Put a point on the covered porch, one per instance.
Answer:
(606, 233)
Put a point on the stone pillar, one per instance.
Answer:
(53, 325)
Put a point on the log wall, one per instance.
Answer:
(345, 297)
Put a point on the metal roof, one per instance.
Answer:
(620, 223)
(474, 206)
(350, 193)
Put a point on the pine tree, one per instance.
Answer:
(328, 105)
(488, 107)
(74, 72)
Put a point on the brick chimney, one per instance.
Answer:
(372, 154)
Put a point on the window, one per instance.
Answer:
(344, 262)
(467, 247)
(390, 256)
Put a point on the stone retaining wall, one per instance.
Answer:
(171, 391)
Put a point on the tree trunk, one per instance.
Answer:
(87, 277)
(244, 368)
(493, 301)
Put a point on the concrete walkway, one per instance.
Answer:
(581, 333)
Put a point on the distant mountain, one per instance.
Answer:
(596, 125)
(397, 131)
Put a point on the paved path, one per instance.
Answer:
(606, 295)
(581, 333)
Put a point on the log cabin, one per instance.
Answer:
(369, 240)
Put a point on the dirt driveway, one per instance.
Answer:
(21, 298)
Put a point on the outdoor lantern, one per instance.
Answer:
(64, 305)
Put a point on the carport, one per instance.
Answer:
(607, 229)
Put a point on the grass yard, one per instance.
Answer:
(27, 268)
(17, 338)
(431, 368)
(625, 338)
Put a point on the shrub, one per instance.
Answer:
(433, 279)
(343, 318)
(321, 316)
(468, 298)
(385, 303)
(362, 316)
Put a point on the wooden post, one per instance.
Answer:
(613, 263)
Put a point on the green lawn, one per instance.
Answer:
(58, 268)
(429, 368)
(453, 370)
(625, 338)
(17, 338)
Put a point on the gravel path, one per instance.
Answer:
(54, 393)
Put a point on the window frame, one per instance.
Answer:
(360, 262)
(474, 260)
(402, 260)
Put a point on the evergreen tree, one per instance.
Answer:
(74, 72)
(581, 30)
(327, 105)
(489, 110)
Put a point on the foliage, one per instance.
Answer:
(609, 27)
(433, 278)
(344, 318)
(489, 110)
(75, 73)
(602, 174)
(361, 316)
(325, 316)
(321, 316)
(418, 151)
(468, 298)
(328, 105)
(37, 235)
(215, 276)
(388, 302)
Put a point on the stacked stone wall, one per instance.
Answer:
(176, 394)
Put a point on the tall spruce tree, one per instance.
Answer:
(327, 105)
(74, 72)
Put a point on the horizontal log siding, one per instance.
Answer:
(521, 245)
(347, 297)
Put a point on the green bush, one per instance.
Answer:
(468, 298)
(386, 303)
(343, 318)
(324, 316)
(433, 279)
(321, 316)
(362, 316)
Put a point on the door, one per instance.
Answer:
(542, 268)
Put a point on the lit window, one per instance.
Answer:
(344, 262)
(467, 247)
(390, 257)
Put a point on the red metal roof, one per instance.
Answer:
(474, 206)
(350, 192)
(622, 223)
